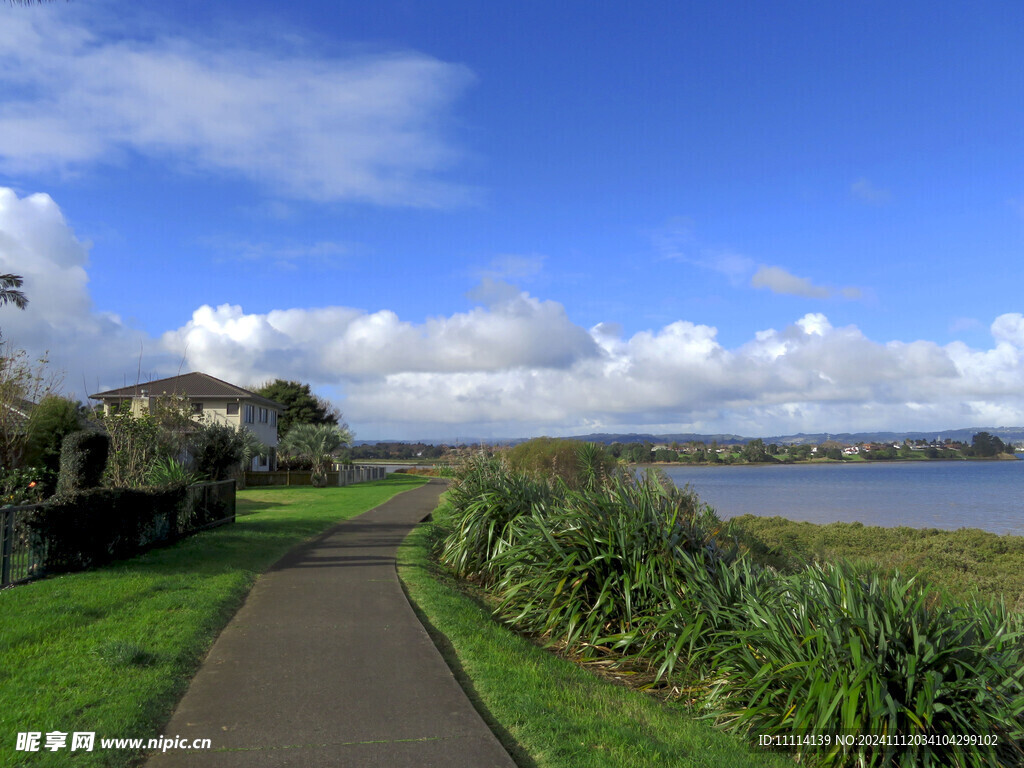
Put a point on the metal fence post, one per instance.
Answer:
(8, 533)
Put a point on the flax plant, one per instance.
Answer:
(489, 503)
(843, 651)
(596, 571)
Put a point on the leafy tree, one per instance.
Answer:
(800, 452)
(316, 443)
(301, 405)
(985, 444)
(638, 453)
(217, 449)
(666, 454)
(53, 419)
(754, 451)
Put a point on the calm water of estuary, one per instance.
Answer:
(936, 494)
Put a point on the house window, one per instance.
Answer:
(264, 416)
(197, 409)
(273, 418)
(250, 414)
(232, 409)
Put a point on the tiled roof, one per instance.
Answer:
(195, 385)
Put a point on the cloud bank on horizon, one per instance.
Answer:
(515, 364)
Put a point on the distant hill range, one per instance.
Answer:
(1006, 434)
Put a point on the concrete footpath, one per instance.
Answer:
(327, 665)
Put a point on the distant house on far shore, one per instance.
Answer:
(211, 399)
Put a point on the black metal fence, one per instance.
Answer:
(345, 475)
(207, 505)
(21, 561)
(203, 505)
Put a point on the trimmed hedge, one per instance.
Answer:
(83, 457)
(92, 527)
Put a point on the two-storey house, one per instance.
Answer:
(210, 399)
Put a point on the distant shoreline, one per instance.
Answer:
(822, 462)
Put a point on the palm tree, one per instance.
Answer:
(9, 293)
(251, 447)
(316, 442)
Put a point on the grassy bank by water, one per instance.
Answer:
(112, 650)
(547, 711)
(963, 562)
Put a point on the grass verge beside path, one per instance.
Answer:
(111, 651)
(548, 712)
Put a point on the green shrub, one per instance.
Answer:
(167, 472)
(579, 465)
(53, 419)
(83, 457)
(22, 486)
(138, 440)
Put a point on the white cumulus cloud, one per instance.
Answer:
(515, 331)
(516, 364)
(358, 127)
(38, 244)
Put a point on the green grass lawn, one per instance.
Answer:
(547, 711)
(112, 650)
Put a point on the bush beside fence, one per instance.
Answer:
(92, 527)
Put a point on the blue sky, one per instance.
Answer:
(473, 219)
